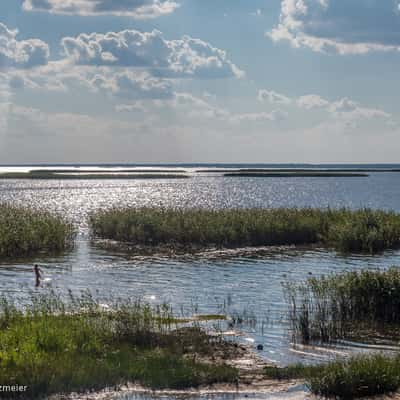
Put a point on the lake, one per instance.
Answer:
(236, 282)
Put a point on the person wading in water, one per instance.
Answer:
(38, 275)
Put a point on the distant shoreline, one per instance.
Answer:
(160, 173)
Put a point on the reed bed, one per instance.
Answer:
(345, 305)
(24, 231)
(58, 346)
(359, 376)
(346, 230)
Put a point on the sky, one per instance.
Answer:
(189, 81)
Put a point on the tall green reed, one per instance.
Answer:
(24, 231)
(337, 306)
(346, 230)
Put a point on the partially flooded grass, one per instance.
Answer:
(56, 346)
(25, 232)
(360, 376)
(345, 305)
(346, 230)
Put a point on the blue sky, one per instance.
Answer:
(199, 81)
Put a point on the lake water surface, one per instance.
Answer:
(233, 282)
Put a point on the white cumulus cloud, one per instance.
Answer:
(343, 109)
(131, 85)
(344, 27)
(16, 53)
(186, 57)
(141, 9)
(311, 101)
(273, 97)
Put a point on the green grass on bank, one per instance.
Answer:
(360, 376)
(25, 231)
(349, 231)
(59, 347)
(345, 305)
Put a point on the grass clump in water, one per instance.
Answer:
(53, 346)
(359, 376)
(345, 305)
(24, 231)
(359, 231)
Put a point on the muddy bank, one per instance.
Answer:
(252, 381)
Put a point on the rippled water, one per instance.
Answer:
(206, 284)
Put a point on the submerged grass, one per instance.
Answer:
(346, 230)
(25, 231)
(53, 346)
(359, 376)
(345, 305)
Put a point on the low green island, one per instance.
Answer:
(365, 170)
(345, 230)
(95, 174)
(295, 174)
(27, 232)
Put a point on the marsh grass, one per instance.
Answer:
(348, 231)
(56, 346)
(345, 305)
(25, 232)
(358, 376)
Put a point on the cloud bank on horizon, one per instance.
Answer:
(125, 87)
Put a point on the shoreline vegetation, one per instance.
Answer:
(349, 305)
(365, 230)
(356, 377)
(26, 232)
(362, 305)
(77, 345)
